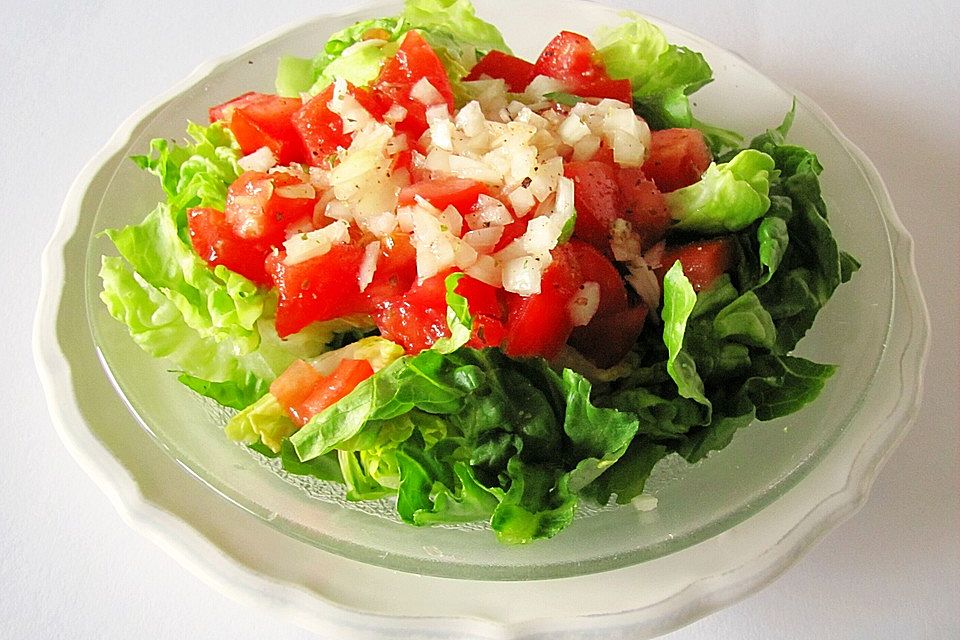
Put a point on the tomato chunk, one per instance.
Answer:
(643, 205)
(295, 385)
(678, 157)
(418, 318)
(320, 288)
(516, 72)
(461, 193)
(414, 61)
(703, 262)
(263, 120)
(322, 130)
(344, 379)
(595, 267)
(607, 88)
(396, 269)
(264, 205)
(214, 240)
(539, 325)
(597, 199)
(571, 58)
(607, 339)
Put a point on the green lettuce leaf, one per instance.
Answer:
(679, 299)
(728, 197)
(264, 421)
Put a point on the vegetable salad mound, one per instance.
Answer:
(486, 286)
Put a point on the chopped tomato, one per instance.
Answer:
(516, 72)
(596, 196)
(443, 192)
(678, 157)
(607, 88)
(295, 385)
(608, 338)
(703, 261)
(414, 61)
(320, 288)
(571, 58)
(418, 318)
(344, 379)
(322, 130)
(215, 241)
(511, 232)
(539, 325)
(643, 205)
(396, 269)
(264, 205)
(595, 267)
(263, 120)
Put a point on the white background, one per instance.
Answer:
(69, 567)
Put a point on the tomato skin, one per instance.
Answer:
(344, 379)
(415, 59)
(703, 261)
(607, 339)
(263, 120)
(214, 240)
(461, 193)
(678, 157)
(321, 288)
(256, 208)
(596, 196)
(321, 130)
(643, 205)
(516, 72)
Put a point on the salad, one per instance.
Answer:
(489, 288)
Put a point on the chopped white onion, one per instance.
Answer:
(486, 269)
(583, 306)
(368, 265)
(453, 220)
(522, 276)
(260, 160)
(316, 243)
(297, 191)
(522, 201)
(573, 130)
(485, 238)
(425, 93)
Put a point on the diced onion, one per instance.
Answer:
(260, 160)
(309, 245)
(368, 265)
(296, 191)
(522, 276)
(583, 306)
(522, 201)
(484, 238)
(425, 93)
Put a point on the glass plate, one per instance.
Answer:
(695, 502)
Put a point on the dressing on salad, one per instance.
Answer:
(490, 287)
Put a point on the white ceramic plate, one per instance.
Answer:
(330, 592)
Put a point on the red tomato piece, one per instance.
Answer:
(215, 241)
(678, 157)
(595, 267)
(418, 318)
(607, 88)
(295, 385)
(415, 60)
(643, 205)
(703, 262)
(539, 325)
(443, 192)
(264, 205)
(516, 72)
(608, 338)
(396, 269)
(263, 120)
(322, 130)
(221, 111)
(596, 196)
(321, 288)
(511, 232)
(344, 379)
(571, 58)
